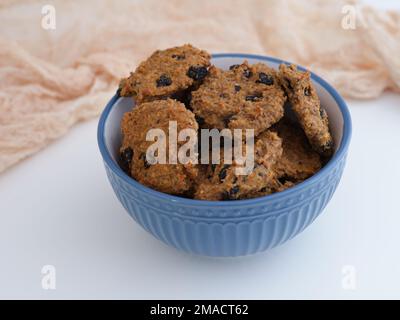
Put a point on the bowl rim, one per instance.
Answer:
(278, 196)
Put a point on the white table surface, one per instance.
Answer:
(57, 208)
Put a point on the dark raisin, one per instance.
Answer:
(197, 73)
(178, 57)
(234, 66)
(265, 79)
(200, 120)
(282, 180)
(234, 190)
(164, 81)
(237, 88)
(223, 95)
(222, 173)
(231, 194)
(307, 91)
(247, 73)
(145, 163)
(254, 97)
(126, 158)
(285, 178)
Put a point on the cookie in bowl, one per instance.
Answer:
(222, 181)
(176, 178)
(166, 73)
(245, 96)
(306, 105)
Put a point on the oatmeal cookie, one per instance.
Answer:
(298, 161)
(221, 181)
(306, 105)
(244, 97)
(166, 73)
(170, 178)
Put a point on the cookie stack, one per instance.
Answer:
(292, 138)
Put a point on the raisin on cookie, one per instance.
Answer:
(306, 105)
(244, 97)
(221, 181)
(170, 178)
(166, 73)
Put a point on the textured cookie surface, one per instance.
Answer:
(170, 178)
(306, 105)
(166, 73)
(286, 151)
(244, 97)
(221, 181)
(298, 161)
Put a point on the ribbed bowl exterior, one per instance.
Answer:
(243, 230)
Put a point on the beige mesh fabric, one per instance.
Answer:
(51, 79)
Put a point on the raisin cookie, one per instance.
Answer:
(166, 73)
(244, 97)
(170, 178)
(298, 161)
(222, 182)
(306, 105)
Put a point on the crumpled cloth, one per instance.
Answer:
(52, 79)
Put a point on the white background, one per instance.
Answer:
(58, 208)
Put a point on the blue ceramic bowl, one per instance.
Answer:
(227, 228)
